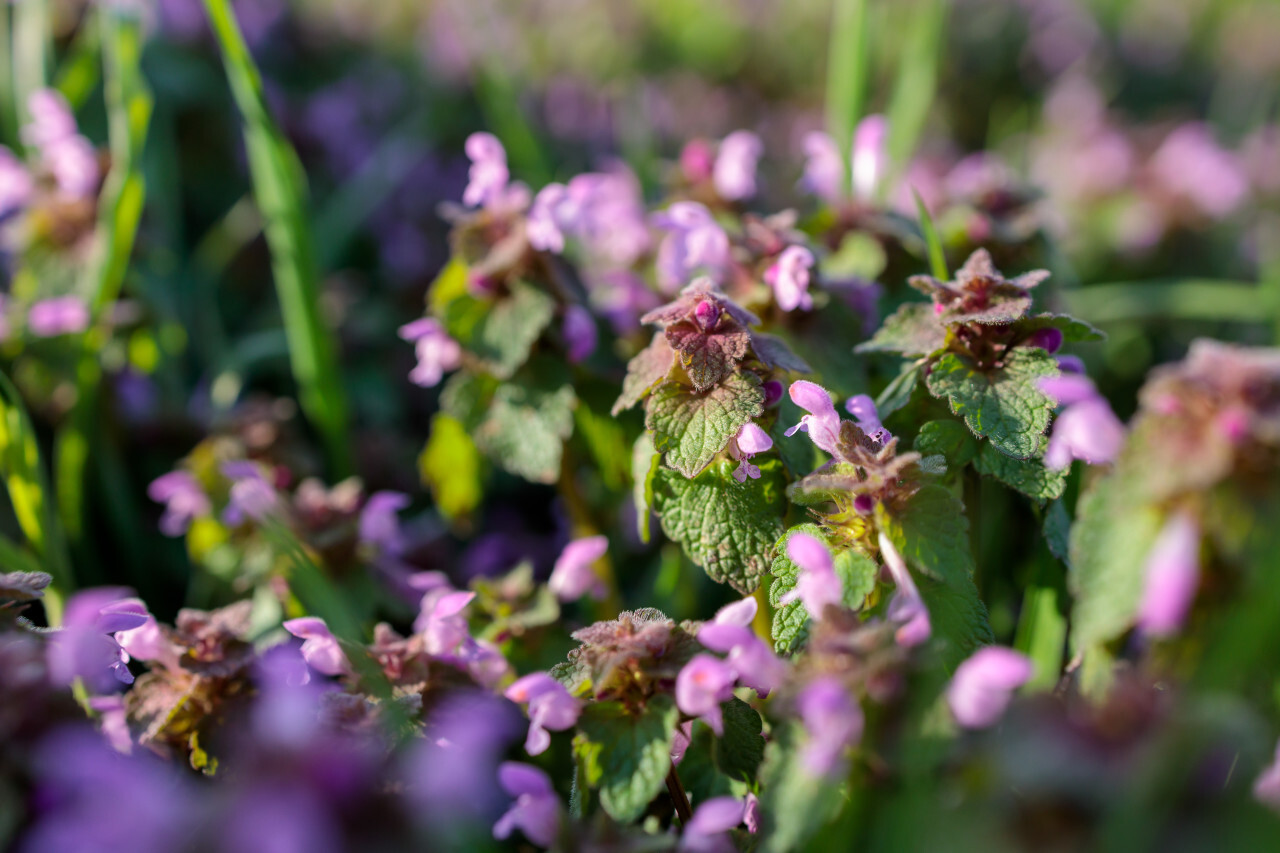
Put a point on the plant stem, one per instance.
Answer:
(678, 796)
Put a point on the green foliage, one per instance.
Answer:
(1028, 476)
(525, 428)
(451, 466)
(857, 573)
(795, 803)
(740, 750)
(1073, 330)
(1001, 403)
(726, 527)
(626, 756)
(773, 351)
(500, 332)
(690, 427)
(644, 467)
(949, 438)
(649, 367)
(912, 330)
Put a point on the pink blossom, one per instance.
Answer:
(1172, 576)
(906, 608)
(437, 352)
(833, 720)
(695, 242)
(441, 622)
(74, 164)
(251, 496)
(789, 277)
(183, 498)
(817, 584)
(62, 315)
(735, 168)
(703, 683)
(1086, 428)
(536, 811)
(863, 409)
(705, 831)
(751, 659)
(551, 707)
(488, 175)
(51, 119)
(1266, 788)
(320, 648)
(824, 167)
(822, 423)
(870, 156)
(552, 215)
(751, 439)
(380, 524)
(16, 185)
(1191, 164)
(984, 683)
(148, 642)
(580, 333)
(84, 647)
(574, 575)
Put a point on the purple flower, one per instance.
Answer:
(610, 216)
(750, 658)
(1048, 339)
(536, 811)
(789, 277)
(870, 157)
(286, 710)
(320, 648)
(1190, 164)
(1172, 576)
(183, 498)
(251, 496)
(16, 185)
(553, 213)
(983, 685)
(573, 575)
(437, 352)
(488, 175)
(751, 816)
(62, 315)
(551, 707)
(452, 769)
(695, 242)
(907, 607)
(84, 648)
(735, 169)
(280, 816)
(579, 333)
(863, 409)
(817, 585)
(379, 523)
(115, 725)
(51, 119)
(822, 423)
(1266, 788)
(703, 683)
(705, 831)
(147, 642)
(1086, 429)
(833, 721)
(823, 168)
(441, 622)
(74, 164)
(749, 441)
(697, 161)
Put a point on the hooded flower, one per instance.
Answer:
(85, 648)
(573, 575)
(817, 585)
(695, 243)
(750, 658)
(789, 277)
(735, 168)
(1172, 576)
(705, 831)
(822, 423)
(551, 707)
(488, 175)
(751, 439)
(703, 683)
(536, 811)
(437, 352)
(984, 683)
(824, 171)
(183, 498)
(320, 648)
(441, 621)
(833, 721)
(554, 213)
(863, 409)
(380, 524)
(1086, 429)
(907, 607)
(251, 496)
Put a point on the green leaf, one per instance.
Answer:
(857, 573)
(1003, 403)
(1073, 330)
(1057, 530)
(644, 465)
(726, 527)
(774, 352)
(950, 438)
(937, 257)
(525, 428)
(650, 366)
(1028, 476)
(898, 392)
(627, 757)
(690, 427)
(700, 775)
(450, 465)
(958, 618)
(502, 332)
(708, 357)
(1113, 534)
(912, 330)
(740, 749)
(794, 803)
(466, 397)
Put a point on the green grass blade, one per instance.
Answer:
(81, 69)
(279, 187)
(916, 84)
(937, 257)
(8, 115)
(1187, 299)
(847, 65)
(32, 52)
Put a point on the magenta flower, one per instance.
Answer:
(1048, 339)
(703, 683)
(833, 720)
(320, 648)
(16, 185)
(1086, 429)
(147, 642)
(907, 607)
(380, 524)
(749, 441)
(751, 816)
(488, 175)
(437, 352)
(984, 683)
(697, 160)
(817, 585)
(695, 242)
(1172, 576)
(750, 658)
(824, 167)
(536, 811)
(113, 721)
(85, 648)
(62, 315)
(863, 409)
(822, 423)
(51, 119)
(554, 213)
(74, 164)
(251, 496)
(870, 156)
(1191, 164)
(580, 333)
(183, 498)
(610, 216)
(789, 277)
(551, 708)
(1266, 788)
(705, 831)
(441, 622)
(735, 168)
(573, 575)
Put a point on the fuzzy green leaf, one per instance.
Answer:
(857, 573)
(690, 427)
(726, 527)
(911, 330)
(795, 803)
(649, 366)
(1057, 530)
(644, 465)
(773, 351)
(500, 332)
(1028, 476)
(450, 465)
(949, 438)
(525, 428)
(739, 751)
(1003, 403)
(627, 757)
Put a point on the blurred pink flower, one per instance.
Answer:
(735, 167)
(1086, 428)
(574, 575)
(320, 648)
(1191, 164)
(789, 276)
(536, 811)
(984, 683)
(833, 720)
(817, 584)
(551, 707)
(437, 352)
(703, 683)
(61, 315)
(488, 175)
(1172, 576)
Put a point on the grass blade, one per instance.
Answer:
(1187, 299)
(32, 52)
(937, 257)
(279, 187)
(916, 84)
(847, 64)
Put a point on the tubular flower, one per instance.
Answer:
(983, 685)
(551, 707)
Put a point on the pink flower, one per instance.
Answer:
(51, 119)
(749, 441)
(1086, 428)
(1191, 164)
(488, 175)
(823, 168)
(441, 622)
(907, 607)
(62, 315)
(705, 831)
(1266, 788)
(16, 185)
(870, 157)
(752, 661)
(863, 409)
(695, 242)
(536, 811)
(551, 707)
(833, 721)
(822, 423)
(824, 171)
(573, 575)
(437, 352)
(1172, 576)
(251, 496)
(735, 169)
(789, 277)
(579, 333)
(817, 585)
(703, 683)
(320, 648)
(380, 524)
(553, 213)
(85, 646)
(147, 642)
(183, 498)
(983, 685)
(74, 164)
